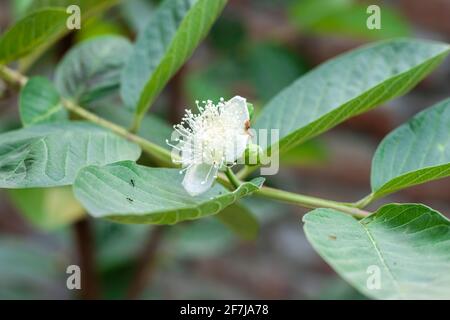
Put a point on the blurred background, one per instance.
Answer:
(256, 48)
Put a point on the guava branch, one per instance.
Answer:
(164, 156)
(308, 201)
(159, 153)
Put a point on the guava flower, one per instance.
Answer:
(209, 140)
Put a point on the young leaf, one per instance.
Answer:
(48, 208)
(39, 102)
(92, 69)
(348, 85)
(414, 153)
(129, 193)
(31, 32)
(48, 155)
(168, 40)
(400, 252)
(240, 220)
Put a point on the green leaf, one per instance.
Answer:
(240, 220)
(407, 243)
(85, 5)
(48, 155)
(39, 102)
(129, 193)
(414, 153)
(47, 208)
(348, 85)
(88, 8)
(31, 32)
(97, 27)
(92, 69)
(173, 32)
(346, 18)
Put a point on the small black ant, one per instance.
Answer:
(132, 182)
(130, 200)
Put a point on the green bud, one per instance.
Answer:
(252, 155)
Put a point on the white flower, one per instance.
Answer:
(209, 140)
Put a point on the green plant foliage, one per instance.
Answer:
(129, 193)
(348, 85)
(86, 6)
(346, 18)
(40, 103)
(272, 68)
(153, 128)
(50, 155)
(91, 70)
(240, 220)
(172, 34)
(308, 154)
(59, 167)
(31, 270)
(407, 243)
(18, 41)
(414, 153)
(48, 208)
(88, 9)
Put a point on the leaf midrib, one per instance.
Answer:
(382, 259)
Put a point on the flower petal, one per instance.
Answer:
(235, 150)
(187, 153)
(236, 108)
(199, 178)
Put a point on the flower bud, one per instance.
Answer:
(252, 154)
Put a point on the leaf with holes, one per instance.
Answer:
(31, 32)
(129, 193)
(91, 70)
(414, 153)
(49, 155)
(400, 252)
(39, 102)
(173, 32)
(348, 85)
